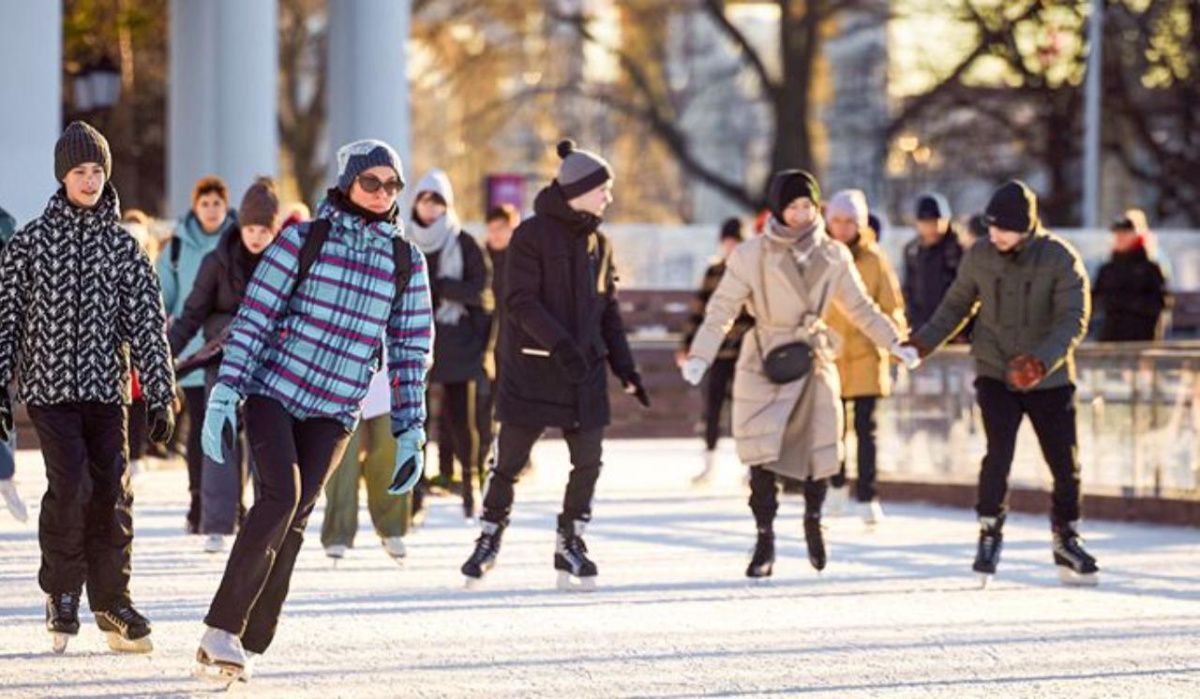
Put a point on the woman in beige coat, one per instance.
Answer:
(787, 279)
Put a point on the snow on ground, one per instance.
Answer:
(897, 613)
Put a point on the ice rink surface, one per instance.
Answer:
(897, 613)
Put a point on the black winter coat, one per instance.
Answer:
(1132, 292)
(561, 289)
(928, 274)
(458, 349)
(217, 293)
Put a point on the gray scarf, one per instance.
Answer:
(441, 236)
(801, 240)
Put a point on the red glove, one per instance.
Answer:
(1025, 372)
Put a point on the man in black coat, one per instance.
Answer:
(930, 260)
(562, 324)
(1130, 289)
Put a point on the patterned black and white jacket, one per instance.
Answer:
(80, 303)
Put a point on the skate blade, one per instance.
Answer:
(1072, 579)
(217, 672)
(570, 583)
(120, 644)
(59, 641)
(984, 579)
(470, 583)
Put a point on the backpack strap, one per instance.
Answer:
(402, 258)
(310, 250)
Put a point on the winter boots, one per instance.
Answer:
(762, 561)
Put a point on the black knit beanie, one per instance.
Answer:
(581, 171)
(731, 229)
(788, 186)
(81, 143)
(1013, 208)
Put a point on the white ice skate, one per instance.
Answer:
(12, 499)
(220, 657)
(872, 512)
(214, 543)
(706, 474)
(394, 546)
(837, 502)
(335, 553)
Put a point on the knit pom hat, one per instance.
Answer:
(355, 157)
(81, 143)
(1013, 208)
(789, 185)
(260, 204)
(852, 203)
(581, 171)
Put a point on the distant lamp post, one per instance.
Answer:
(97, 86)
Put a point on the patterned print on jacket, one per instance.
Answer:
(80, 303)
(313, 349)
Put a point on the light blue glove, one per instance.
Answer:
(410, 461)
(220, 422)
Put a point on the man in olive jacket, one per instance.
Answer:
(1028, 290)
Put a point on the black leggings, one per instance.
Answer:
(195, 403)
(864, 432)
(293, 458)
(716, 393)
(764, 496)
(458, 409)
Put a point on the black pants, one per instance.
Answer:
(86, 524)
(458, 406)
(293, 458)
(195, 402)
(716, 393)
(864, 432)
(1052, 413)
(764, 496)
(485, 399)
(137, 429)
(515, 443)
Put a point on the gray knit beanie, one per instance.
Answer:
(355, 157)
(581, 171)
(81, 143)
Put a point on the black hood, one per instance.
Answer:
(552, 203)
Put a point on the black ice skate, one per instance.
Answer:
(987, 556)
(762, 562)
(576, 572)
(126, 630)
(487, 547)
(62, 618)
(814, 537)
(1075, 565)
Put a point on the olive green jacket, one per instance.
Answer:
(1034, 301)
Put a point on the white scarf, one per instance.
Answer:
(441, 237)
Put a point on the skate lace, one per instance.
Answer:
(988, 542)
(128, 615)
(575, 545)
(68, 605)
(484, 546)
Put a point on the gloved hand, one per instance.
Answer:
(908, 355)
(922, 350)
(693, 370)
(162, 424)
(220, 422)
(6, 415)
(1026, 371)
(567, 356)
(633, 386)
(410, 461)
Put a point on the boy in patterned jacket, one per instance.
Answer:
(80, 303)
(300, 353)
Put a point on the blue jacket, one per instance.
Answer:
(177, 280)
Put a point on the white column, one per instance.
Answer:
(222, 101)
(368, 75)
(30, 104)
(1092, 117)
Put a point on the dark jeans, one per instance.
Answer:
(485, 400)
(1052, 413)
(293, 458)
(716, 393)
(864, 432)
(195, 401)
(458, 409)
(515, 443)
(86, 523)
(764, 496)
(137, 429)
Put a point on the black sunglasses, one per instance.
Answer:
(371, 184)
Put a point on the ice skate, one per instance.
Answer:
(394, 546)
(220, 657)
(706, 474)
(837, 502)
(62, 619)
(1076, 567)
(814, 538)
(576, 572)
(12, 500)
(762, 561)
(872, 512)
(987, 556)
(214, 543)
(125, 629)
(483, 558)
(335, 553)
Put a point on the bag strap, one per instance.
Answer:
(175, 253)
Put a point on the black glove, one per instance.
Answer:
(162, 424)
(639, 392)
(568, 358)
(6, 415)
